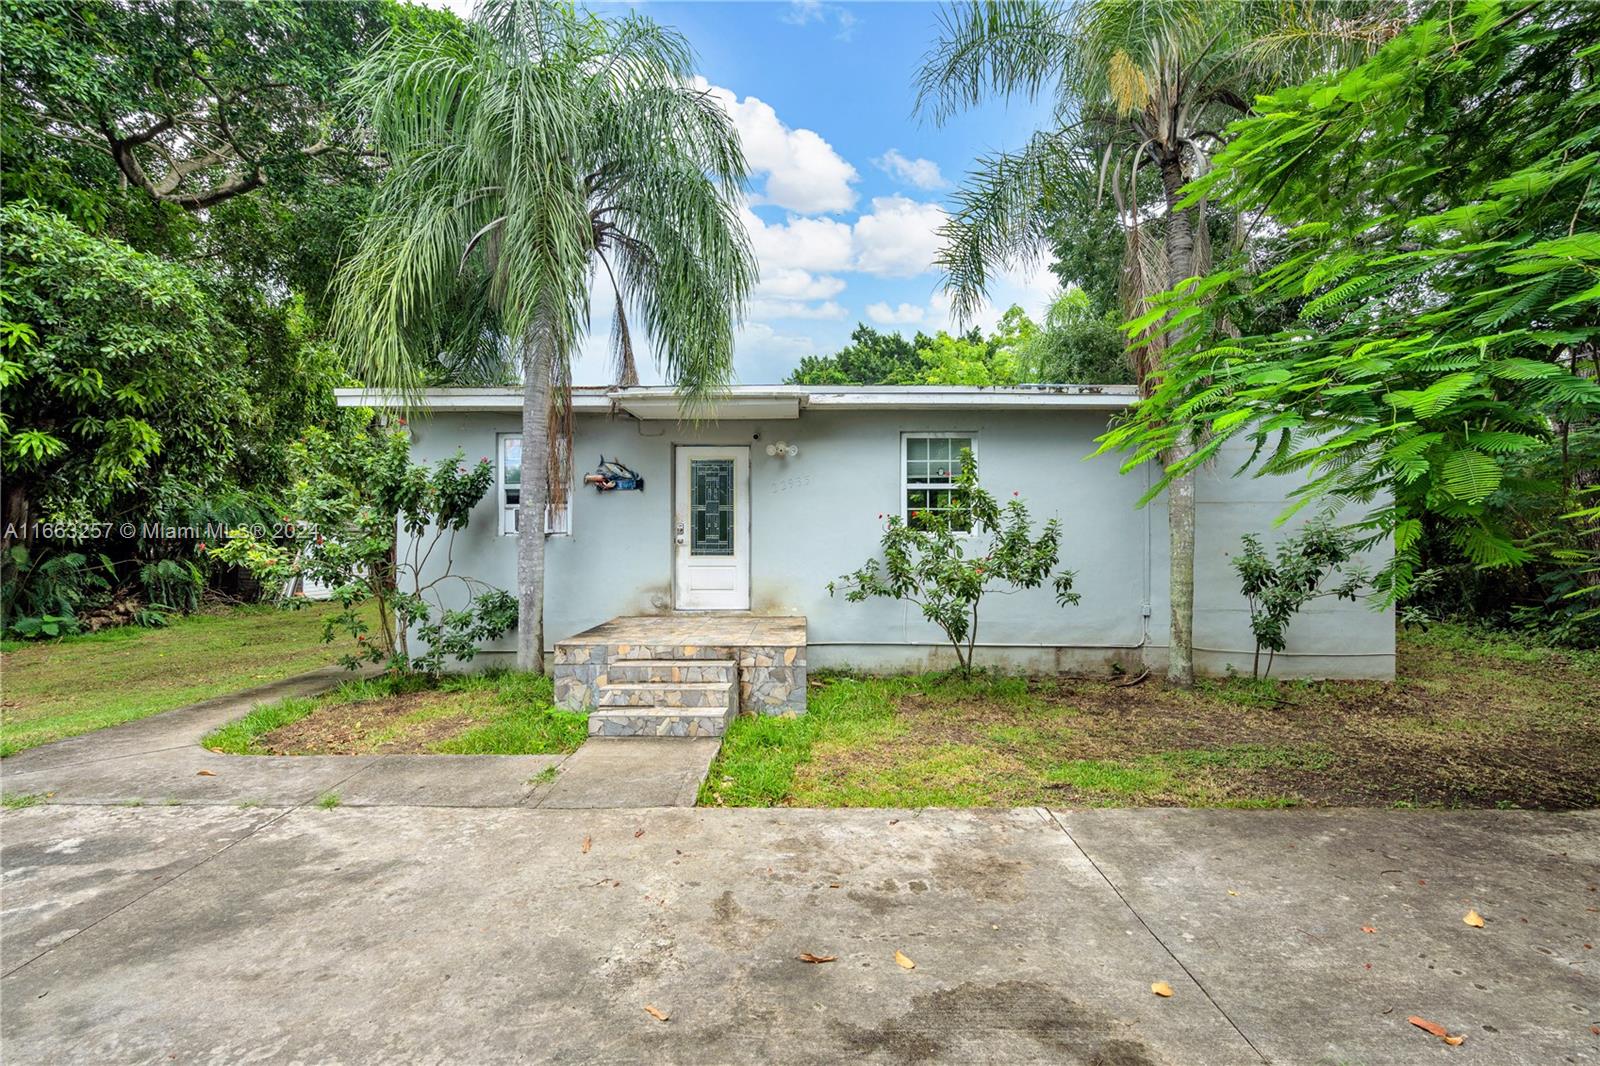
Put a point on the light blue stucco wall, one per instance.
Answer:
(815, 517)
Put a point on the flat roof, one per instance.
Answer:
(766, 402)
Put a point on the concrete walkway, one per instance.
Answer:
(159, 761)
(444, 935)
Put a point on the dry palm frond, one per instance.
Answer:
(558, 461)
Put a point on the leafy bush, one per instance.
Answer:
(41, 597)
(172, 584)
(1275, 592)
(926, 563)
(354, 491)
(120, 372)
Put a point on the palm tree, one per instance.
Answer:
(528, 149)
(1136, 85)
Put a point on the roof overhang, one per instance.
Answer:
(763, 402)
(665, 405)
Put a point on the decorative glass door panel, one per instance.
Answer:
(711, 506)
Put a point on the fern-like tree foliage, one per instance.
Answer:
(1436, 254)
(530, 149)
(1139, 87)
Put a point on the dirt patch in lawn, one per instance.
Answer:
(1471, 722)
(492, 713)
(395, 725)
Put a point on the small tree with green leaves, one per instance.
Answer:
(946, 561)
(354, 492)
(1275, 591)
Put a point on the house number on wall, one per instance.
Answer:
(786, 484)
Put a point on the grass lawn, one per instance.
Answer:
(493, 713)
(1473, 722)
(60, 688)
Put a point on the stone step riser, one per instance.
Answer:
(763, 659)
(574, 654)
(646, 671)
(710, 697)
(656, 722)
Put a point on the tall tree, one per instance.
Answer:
(871, 358)
(528, 149)
(1135, 84)
(1437, 221)
(198, 101)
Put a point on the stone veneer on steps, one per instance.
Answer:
(682, 674)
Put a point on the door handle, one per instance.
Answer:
(678, 532)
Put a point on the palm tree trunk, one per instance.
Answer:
(533, 496)
(1180, 494)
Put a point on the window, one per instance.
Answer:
(557, 520)
(931, 463)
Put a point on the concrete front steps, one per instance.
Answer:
(681, 675)
(665, 698)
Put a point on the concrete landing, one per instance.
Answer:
(632, 772)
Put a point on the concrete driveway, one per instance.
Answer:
(440, 934)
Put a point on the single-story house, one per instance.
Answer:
(746, 513)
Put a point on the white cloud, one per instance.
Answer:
(786, 292)
(899, 238)
(802, 12)
(764, 309)
(900, 315)
(808, 244)
(764, 356)
(803, 172)
(923, 173)
(791, 284)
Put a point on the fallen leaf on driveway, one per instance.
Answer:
(1368, 929)
(1474, 919)
(1454, 1041)
(904, 962)
(1162, 989)
(1231, 892)
(205, 773)
(637, 833)
(586, 842)
(655, 1012)
(1432, 1028)
(806, 956)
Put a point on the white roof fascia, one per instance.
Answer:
(755, 402)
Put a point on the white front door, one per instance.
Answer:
(711, 529)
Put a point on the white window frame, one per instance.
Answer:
(907, 486)
(556, 523)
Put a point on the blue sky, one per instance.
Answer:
(848, 184)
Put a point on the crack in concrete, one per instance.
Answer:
(1156, 936)
(175, 877)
